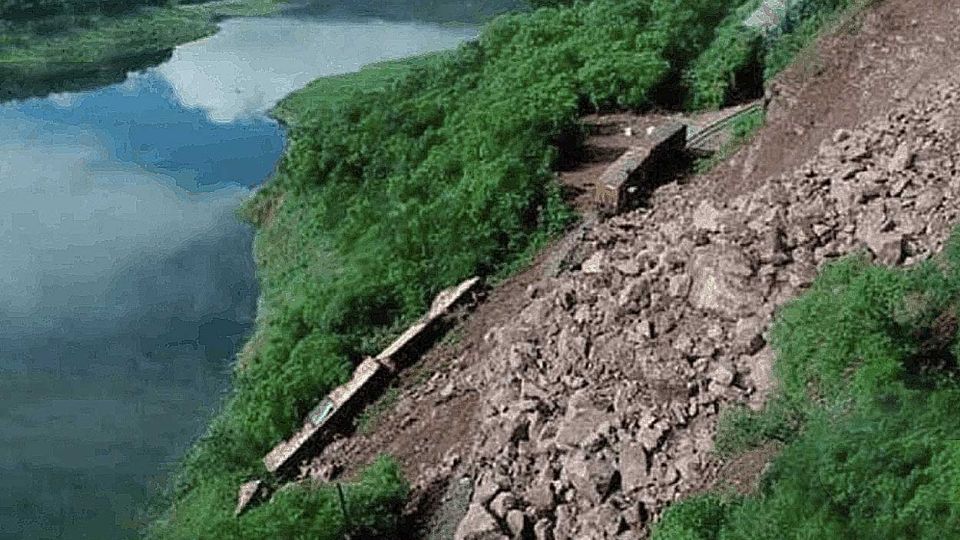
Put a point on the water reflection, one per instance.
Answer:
(126, 281)
(245, 70)
(72, 77)
(107, 267)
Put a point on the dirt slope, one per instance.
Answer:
(581, 403)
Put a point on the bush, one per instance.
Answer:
(698, 518)
(372, 506)
(730, 68)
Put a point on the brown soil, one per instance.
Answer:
(742, 473)
(582, 395)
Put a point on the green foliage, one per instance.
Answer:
(411, 181)
(332, 92)
(867, 366)
(802, 23)
(698, 518)
(33, 9)
(742, 429)
(730, 66)
(295, 511)
(71, 50)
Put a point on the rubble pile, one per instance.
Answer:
(600, 399)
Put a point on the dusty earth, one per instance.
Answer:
(582, 395)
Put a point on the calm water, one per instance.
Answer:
(126, 282)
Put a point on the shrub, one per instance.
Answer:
(698, 518)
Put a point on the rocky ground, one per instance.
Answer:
(580, 403)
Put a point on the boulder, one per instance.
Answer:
(592, 476)
(517, 523)
(720, 282)
(478, 524)
(902, 159)
(543, 530)
(633, 467)
(580, 423)
(706, 217)
(887, 247)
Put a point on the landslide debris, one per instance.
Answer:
(600, 398)
(582, 402)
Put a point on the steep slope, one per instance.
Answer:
(582, 403)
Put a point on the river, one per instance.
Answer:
(126, 281)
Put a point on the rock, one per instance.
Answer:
(888, 247)
(719, 284)
(633, 467)
(669, 475)
(529, 390)
(628, 268)
(565, 523)
(249, 493)
(543, 530)
(603, 519)
(517, 523)
(929, 200)
(645, 329)
(749, 335)
(679, 285)
(723, 375)
(902, 159)
(706, 217)
(594, 264)
(636, 515)
(591, 476)
(478, 524)
(485, 489)
(841, 135)
(503, 503)
(579, 425)
(634, 296)
(773, 247)
(539, 494)
(650, 436)
(447, 391)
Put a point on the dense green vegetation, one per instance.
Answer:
(61, 46)
(36, 9)
(867, 366)
(335, 91)
(439, 11)
(419, 175)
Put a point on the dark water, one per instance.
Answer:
(126, 281)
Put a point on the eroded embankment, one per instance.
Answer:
(583, 403)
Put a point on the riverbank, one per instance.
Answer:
(299, 107)
(70, 53)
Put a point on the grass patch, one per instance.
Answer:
(71, 53)
(742, 130)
